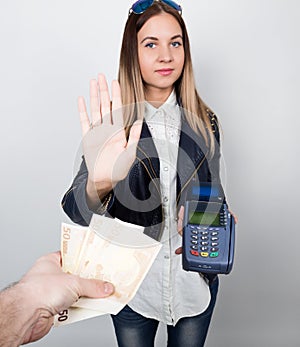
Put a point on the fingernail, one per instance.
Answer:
(108, 288)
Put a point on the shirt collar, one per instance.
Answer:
(170, 103)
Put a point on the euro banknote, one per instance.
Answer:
(109, 250)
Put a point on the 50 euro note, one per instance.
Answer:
(72, 238)
(109, 250)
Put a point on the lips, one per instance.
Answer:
(165, 72)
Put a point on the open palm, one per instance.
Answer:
(108, 153)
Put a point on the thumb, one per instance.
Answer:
(135, 133)
(93, 288)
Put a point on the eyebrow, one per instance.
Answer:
(153, 38)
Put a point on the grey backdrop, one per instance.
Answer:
(246, 58)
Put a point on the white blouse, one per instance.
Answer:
(168, 292)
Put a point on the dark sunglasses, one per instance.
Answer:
(141, 6)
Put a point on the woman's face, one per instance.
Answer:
(160, 54)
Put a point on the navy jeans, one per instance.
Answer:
(134, 330)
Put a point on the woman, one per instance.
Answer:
(140, 172)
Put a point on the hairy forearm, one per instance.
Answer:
(18, 314)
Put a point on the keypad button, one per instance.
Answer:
(214, 238)
(204, 237)
(214, 233)
(204, 249)
(214, 244)
(195, 232)
(195, 237)
(204, 254)
(214, 249)
(194, 247)
(214, 254)
(204, 233)
(204, 243)
(194, 242)
(195, 253)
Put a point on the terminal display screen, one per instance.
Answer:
(204, 218)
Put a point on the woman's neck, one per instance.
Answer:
(157, 97)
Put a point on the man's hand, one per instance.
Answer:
(49, 290)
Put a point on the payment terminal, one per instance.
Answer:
(208, 231)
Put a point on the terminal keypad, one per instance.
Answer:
(204, 241)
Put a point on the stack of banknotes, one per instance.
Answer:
(109, 250)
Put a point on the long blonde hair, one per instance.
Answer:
(196, 112)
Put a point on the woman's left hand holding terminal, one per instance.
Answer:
(180, 226)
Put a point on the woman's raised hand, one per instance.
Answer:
(108, 154)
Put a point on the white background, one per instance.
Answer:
(246, 58)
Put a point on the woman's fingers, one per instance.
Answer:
(104, 100)
(180, 220)
(116, 95)
(101, 106)
(117, 110)
(84, 119)
(178, 250)
(180, 226)
(95, 110)
(103, 111)
(234, 217)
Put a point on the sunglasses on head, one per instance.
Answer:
(141, 6)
